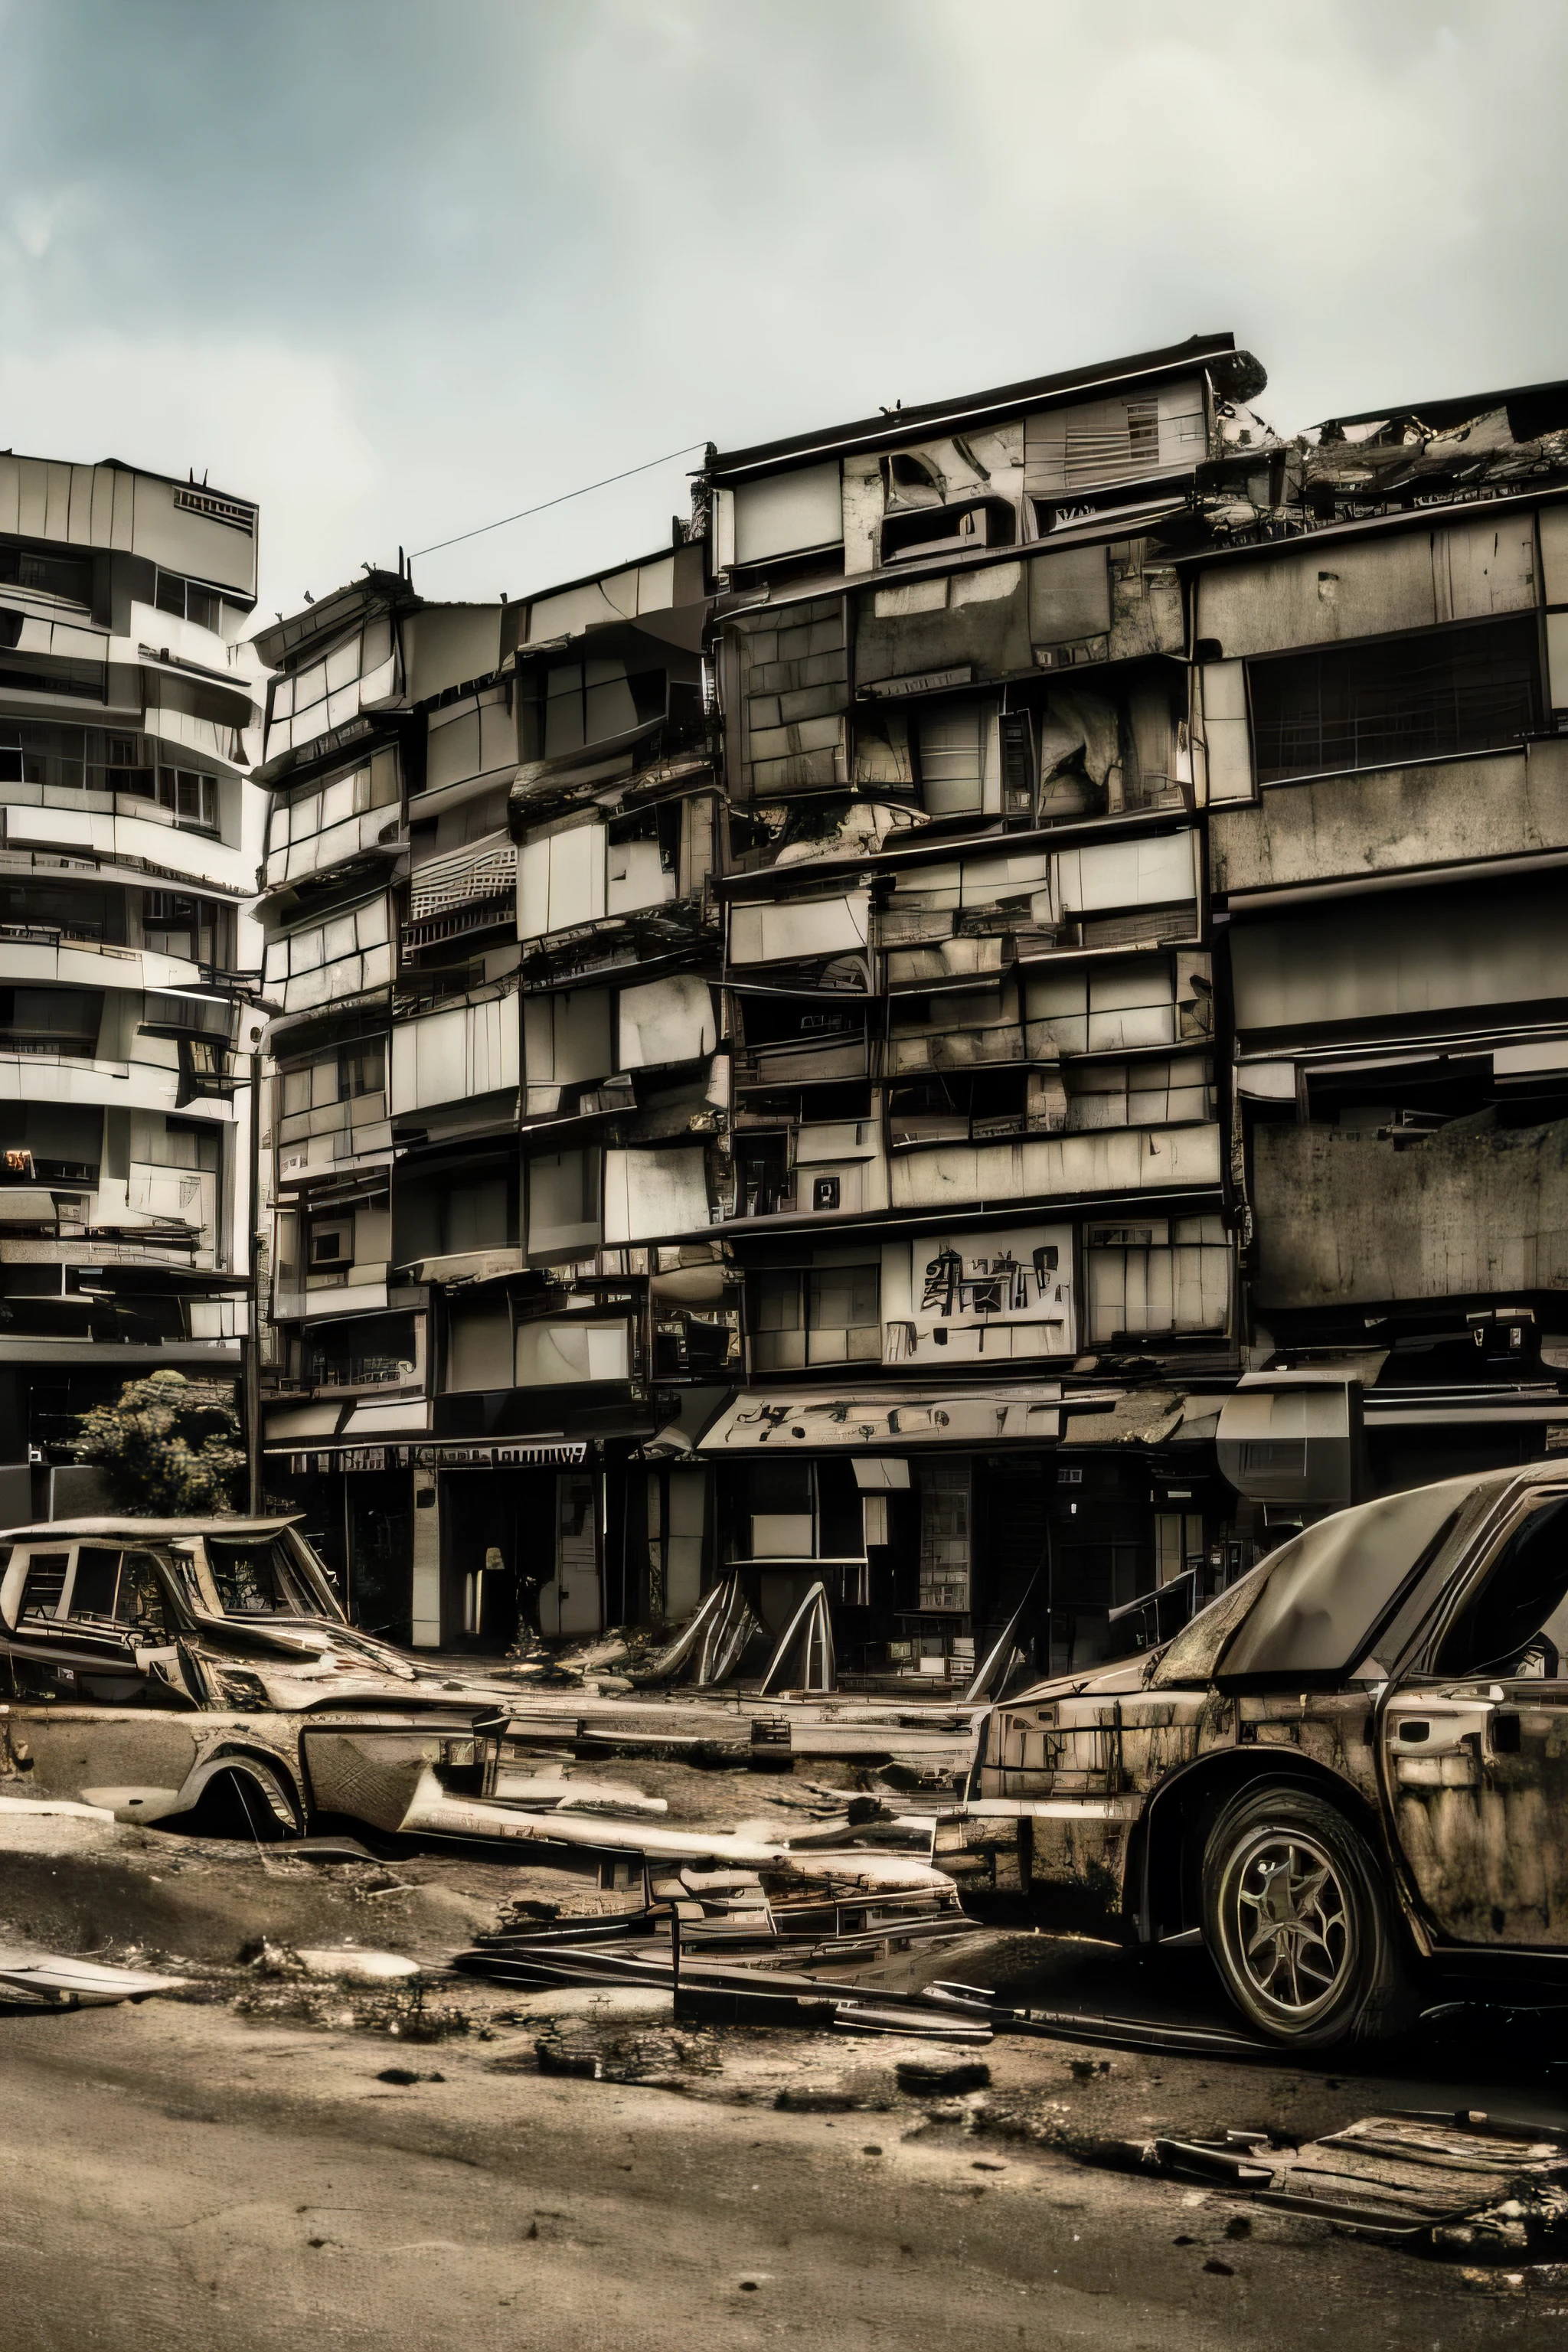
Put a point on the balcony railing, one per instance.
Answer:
(910, 1051)
(359, 1371)
(808, 1063)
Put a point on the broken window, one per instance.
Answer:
(256, 1578)
(593, 701)
(1430, 696)
(46, 1584)
(815, 1316)
(1157, 1275)
(118, 1588)
(958, 758)
(949, 531)
(798, 1511)
(643, 858)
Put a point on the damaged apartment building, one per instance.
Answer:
(130, 717)
(977, 1031)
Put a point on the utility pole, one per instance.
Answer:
(251, 1346)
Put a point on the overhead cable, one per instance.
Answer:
(524, 512)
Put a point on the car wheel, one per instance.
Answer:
(1299, 1923)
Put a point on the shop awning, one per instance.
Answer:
(878, 1420)
(519, 1453)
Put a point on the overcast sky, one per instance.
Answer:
(399, 266)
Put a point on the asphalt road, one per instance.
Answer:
(180, 2177)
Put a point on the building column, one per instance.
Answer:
(424, 1604)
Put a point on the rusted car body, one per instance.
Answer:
(1354, 1762)
(175, 1670)
(150, 1665)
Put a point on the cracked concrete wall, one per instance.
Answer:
(1388, 820)
(1343, 1216)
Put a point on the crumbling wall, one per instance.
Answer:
(1394, 818)
(1345, 1216)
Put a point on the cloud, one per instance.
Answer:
(253, 416)
(402, 269)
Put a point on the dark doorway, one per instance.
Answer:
(378, 1515)
(498, 1547)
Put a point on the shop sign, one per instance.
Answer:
(967, 1297)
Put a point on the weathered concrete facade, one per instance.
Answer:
(1381, 664)
(1015, 965)
(130, 711)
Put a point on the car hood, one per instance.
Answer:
(1126, 1676)
(300, 1663)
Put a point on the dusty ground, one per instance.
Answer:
(249, 2164)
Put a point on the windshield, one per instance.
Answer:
(1324, 1594)
(256, 1577)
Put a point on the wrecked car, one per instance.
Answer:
(1348, 1772)
(203, 1670)
(162, 1669)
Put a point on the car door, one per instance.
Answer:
(1473, 1741)
(99, 1699)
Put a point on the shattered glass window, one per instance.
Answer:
(255, 1578)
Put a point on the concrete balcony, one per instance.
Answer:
(124, 828)
(1108, 1163)
(919, 1052)
(803, 1062)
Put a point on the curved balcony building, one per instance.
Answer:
(130, 840)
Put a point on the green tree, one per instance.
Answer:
(167, 1447)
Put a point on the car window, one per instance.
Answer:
(254, 1576)
(45, 1583)
(96, 1582)
(142, 1602)
(1516, 1623)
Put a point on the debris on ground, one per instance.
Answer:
(57, 1980)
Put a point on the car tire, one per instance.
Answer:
(1299, 1923)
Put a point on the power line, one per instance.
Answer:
(685, 450)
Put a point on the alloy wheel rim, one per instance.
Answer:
(1291, 1932)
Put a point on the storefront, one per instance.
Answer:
(453, 1547)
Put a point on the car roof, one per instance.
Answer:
(63, 1530)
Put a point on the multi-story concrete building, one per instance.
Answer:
(979, 1205)
(129, 705)
(984, 1026)
(459, 1357)
(1381, 679)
